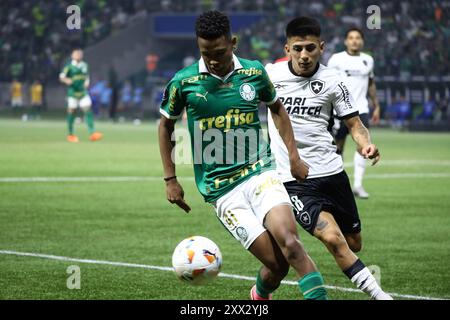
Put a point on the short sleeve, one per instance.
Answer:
(64, 72)
(172, 104)
(267, 93)
(372, 66)
(343, 102)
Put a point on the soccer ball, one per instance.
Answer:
(197, 260)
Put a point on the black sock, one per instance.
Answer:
(354, 269)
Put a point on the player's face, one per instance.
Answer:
(217, 54)
(77, 55)
(354, 42)
(305, 53)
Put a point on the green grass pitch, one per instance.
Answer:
(406, 222)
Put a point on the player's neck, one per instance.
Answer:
(295, 70)
(353, 52)
(225, 73)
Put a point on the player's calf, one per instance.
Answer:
(330, 234)
(281, 224)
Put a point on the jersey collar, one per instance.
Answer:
(203, 69)
(291, 69)
(74, 63)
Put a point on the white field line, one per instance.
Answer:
(406, 163)
(150, 267)
(154, 178)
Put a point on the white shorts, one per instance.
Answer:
(16, 102)
(84, 103)
(243, 210)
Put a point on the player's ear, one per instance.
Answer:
(322, 46)
(234, 41)
(286, 48)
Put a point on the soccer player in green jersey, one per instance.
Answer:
(221, 93)
(75, 75)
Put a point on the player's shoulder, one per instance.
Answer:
(250, 67)
(338, 55)
(278, 69)
(366, 56)
(327, 72)
(330, 76)
(246, 63)
(186, 72)
(67, 64)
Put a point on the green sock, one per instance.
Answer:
(262, 289)
(90, 121)
(312, 286)
(70, 121)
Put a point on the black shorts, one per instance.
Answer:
(332, 194)
(342, 132)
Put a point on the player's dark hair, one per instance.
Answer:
(354, 29)
(302, 27)
(212, 25)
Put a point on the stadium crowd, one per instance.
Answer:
(414, 35)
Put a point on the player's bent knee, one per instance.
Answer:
(355, 246)
(293, 249)
(334, 241)
(354, 242)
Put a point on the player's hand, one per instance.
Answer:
(299, 169)
(371, 152)
(175, 194)
(375, 116)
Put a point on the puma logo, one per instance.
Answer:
(202, 95)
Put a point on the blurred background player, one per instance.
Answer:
(16, 96)
(357, 70)
(75, 76)
(37, 101)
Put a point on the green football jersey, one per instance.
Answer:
(78, 72)
(226, 137)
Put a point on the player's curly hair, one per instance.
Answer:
(212, 25)
(302, 27)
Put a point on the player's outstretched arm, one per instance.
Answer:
(174, 191)
(299, 169)
(372, 90)
(361, 136)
